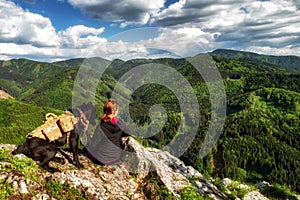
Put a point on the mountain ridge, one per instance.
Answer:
(290, 62)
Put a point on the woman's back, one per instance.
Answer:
(106, 141)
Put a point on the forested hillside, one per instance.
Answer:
(261, 135)
(260, 139)
(289, 62)
(17, 119)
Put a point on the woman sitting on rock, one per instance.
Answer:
(106, 144)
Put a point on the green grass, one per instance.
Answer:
(27, 166)
(191, 193)
(63, 191)
(6, 190)
(277, 192)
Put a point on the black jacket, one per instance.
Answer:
(107, 141)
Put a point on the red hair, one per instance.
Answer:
(109, 110)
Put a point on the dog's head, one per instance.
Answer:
(90, 113)
(87, 112)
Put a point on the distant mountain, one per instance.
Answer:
(46, 84)
(288, 62)
(71, 62)
(76, 62)
(27, 69)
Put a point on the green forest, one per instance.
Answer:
(261, 134)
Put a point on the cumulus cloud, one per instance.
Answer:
(192, 11)
(184, 28)
(238, 24)
(25, 34)
(183, 41)
(126, 12)
(23, 27)
(80, 36)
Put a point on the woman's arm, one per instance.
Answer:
(125, 130)
(98, 134)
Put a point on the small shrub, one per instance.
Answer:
(6, 190)
(191, 193)
(219, 184)
(159, 188)
(279, 192)
(238, 191)
(63, 191)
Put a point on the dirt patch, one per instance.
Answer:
(5, 95)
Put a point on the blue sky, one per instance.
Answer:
(51, 30)
(63, 15)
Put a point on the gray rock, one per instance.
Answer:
(255, 195)
(262, 185)
(226, 182)
(172, 171)
(23, 187)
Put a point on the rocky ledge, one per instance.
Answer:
(144, 173)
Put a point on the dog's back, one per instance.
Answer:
(35, 148)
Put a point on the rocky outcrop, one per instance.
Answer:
(93, 182)
(131, 178)
(171, 171)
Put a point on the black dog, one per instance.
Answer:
(45, 151)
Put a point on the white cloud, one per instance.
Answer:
(184, 28)
(126, 12)
(80, 36)
(238, 24)
(287, 50)
(182, 41)
(3, 57)
(12, 50)
(25, 34)
(23, 27)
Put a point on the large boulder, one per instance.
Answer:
(170, 170)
